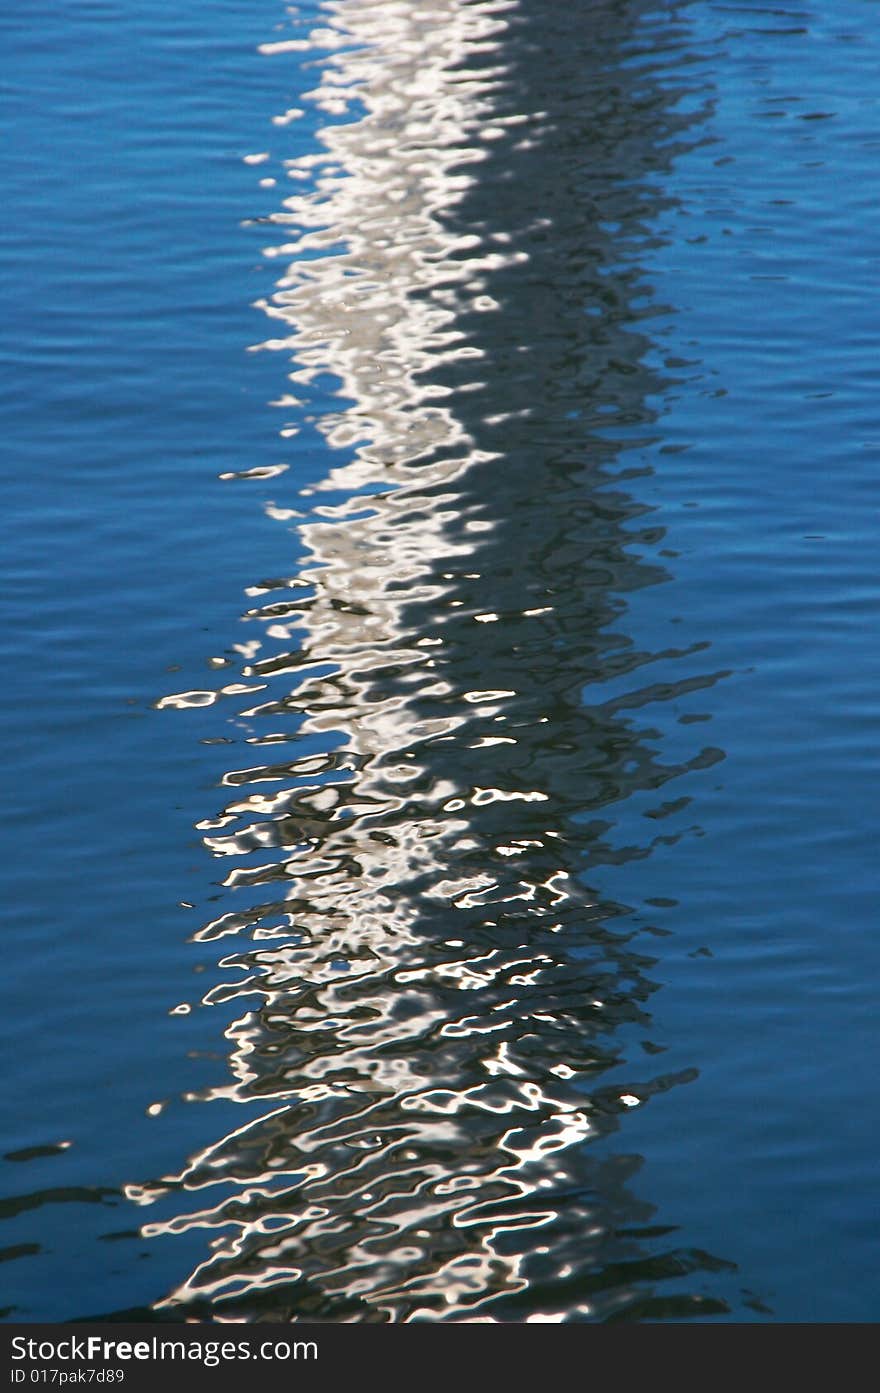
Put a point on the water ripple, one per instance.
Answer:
(442, 1021)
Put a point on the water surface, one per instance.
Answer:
(441, 505)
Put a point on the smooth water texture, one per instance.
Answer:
(441, 689)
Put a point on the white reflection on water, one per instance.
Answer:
(406, 994)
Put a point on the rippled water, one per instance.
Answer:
(440, 693)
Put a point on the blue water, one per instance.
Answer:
(440, 689)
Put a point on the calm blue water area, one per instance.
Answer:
(127, 392)
(767, 499)
(707, 413)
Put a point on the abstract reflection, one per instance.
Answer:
(433, 992)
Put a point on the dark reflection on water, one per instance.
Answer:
(445, 1018)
